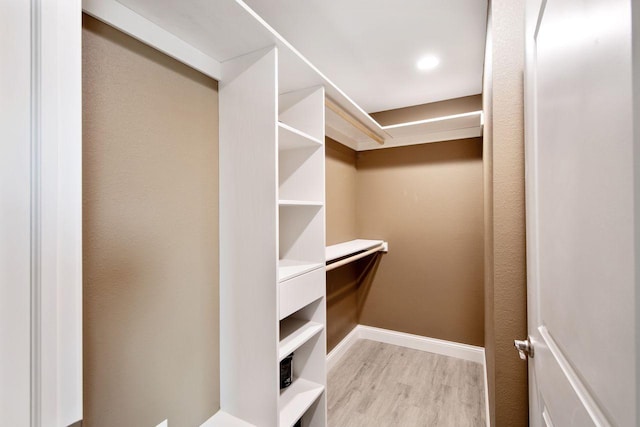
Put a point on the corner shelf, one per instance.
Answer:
(294, 333)
(290, 268)
(296, 399)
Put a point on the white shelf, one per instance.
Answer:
(223, 419)
(283, 202)
(294, 333)
(289, 268)
(290, 138)
(296, 399)
(344, 249)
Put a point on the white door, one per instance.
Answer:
(581, 215)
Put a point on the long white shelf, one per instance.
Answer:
(294, 333)
(223, 419)
(296, 399)
(287, 202)
(290, 138)
(289, 268)
(344, 249)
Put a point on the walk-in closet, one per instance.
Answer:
(319, 213)
(281, 233)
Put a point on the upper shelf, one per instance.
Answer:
(351, 247)
(445, 128)
(353, 250)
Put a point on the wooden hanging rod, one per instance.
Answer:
(353, 121)
(355, 257)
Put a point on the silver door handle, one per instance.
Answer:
(525, 349)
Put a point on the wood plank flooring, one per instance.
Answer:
(380, 385)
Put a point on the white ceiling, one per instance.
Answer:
(369, 48)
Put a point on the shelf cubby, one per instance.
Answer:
(299, 327)
(301, 234)
(296, 172)
(309, 379)
(303, 110)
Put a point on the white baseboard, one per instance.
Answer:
(339, 350)
(433, 345)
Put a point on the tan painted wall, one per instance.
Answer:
(342, 283)
(426, 201)
(150, 135)
(340, 172)
(505, 261)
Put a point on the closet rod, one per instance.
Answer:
(354, 257)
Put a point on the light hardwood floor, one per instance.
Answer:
(380, 385)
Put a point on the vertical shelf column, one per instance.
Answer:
(248, 238)
(301, 284)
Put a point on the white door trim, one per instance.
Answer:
(533, 15)
(56, 283)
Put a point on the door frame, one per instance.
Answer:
(533, 14)
(54, 129)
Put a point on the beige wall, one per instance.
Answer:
(340, 188)
(150, 130)
(342, 283)
(505, 261)
(426, 200)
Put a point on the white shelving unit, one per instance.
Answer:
(272, 256)
(301, 255)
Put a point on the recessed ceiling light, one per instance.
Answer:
(427, 63)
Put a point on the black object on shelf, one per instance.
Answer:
(299, 423)
(286, 371)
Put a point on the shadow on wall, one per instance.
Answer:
(347, 289)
